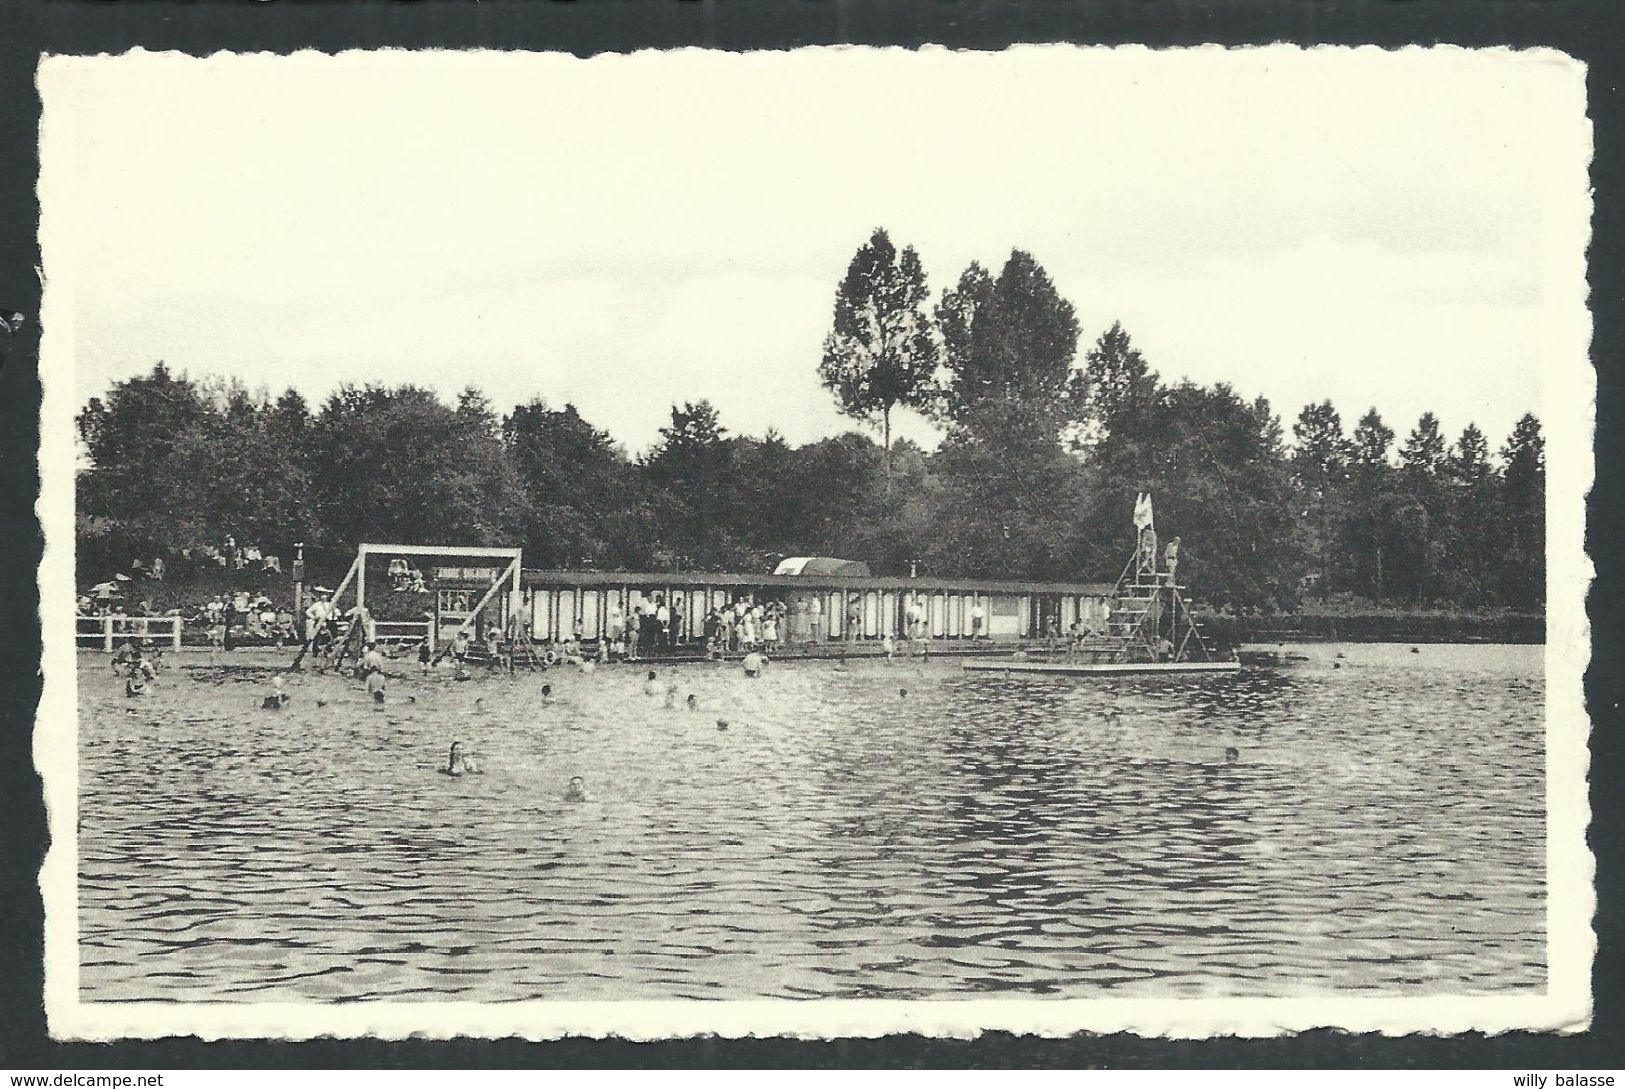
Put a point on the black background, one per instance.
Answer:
(28, 28)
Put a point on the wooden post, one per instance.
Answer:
(107, 633)
(515, 602)
(310, 636)
(360, 570)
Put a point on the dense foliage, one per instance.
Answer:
(1036, 476)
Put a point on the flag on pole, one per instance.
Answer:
(1142, 511)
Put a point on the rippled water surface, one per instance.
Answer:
(1381, 832)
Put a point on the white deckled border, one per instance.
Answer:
(1557, 85)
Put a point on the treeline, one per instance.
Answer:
(1035, 478)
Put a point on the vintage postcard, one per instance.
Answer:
(832, 542)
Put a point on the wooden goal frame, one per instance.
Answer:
(357, 575)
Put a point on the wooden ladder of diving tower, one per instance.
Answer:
(1143, 598)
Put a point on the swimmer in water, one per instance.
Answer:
(722, 724)
(1232, 754)
(902, 693)
(277, 699)
(425, 655)
(693, 702)
(459, 763)
(576, 791)
(650, 688)
(754, 663)
(1111, 717)
(671, 696)
(547, 693)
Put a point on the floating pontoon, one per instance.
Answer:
(1006, 665)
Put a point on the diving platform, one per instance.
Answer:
(1150, 626)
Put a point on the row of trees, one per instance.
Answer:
(1041, 458)
(1044, 454)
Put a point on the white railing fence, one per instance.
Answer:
(109, 631)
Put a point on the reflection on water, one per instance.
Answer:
(1381, 831)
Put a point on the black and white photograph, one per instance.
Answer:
(825, 542)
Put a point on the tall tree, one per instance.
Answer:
(1474, 537)
(398, 464)
(1320, 462)
(1523, 487)
(1423, 454)
(880, 352)
(692, 471)
(138, 494)
(578, 484)
(1009, 342)
(1120, 384)
(1366, 533)
(1009, 499)
(257, 488)
(1420, 528)
(839, 480)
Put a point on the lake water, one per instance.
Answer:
(1381, 832)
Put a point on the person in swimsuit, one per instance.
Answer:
(459, 762)
(459, 648)
(277, 699)
(372, 672)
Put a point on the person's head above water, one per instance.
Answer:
(651, 674)
(693, 700)
(547, 690)
(902, 693)
(1232, 754)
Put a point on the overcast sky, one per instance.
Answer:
(629, 232)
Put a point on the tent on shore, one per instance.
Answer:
(821, 565)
